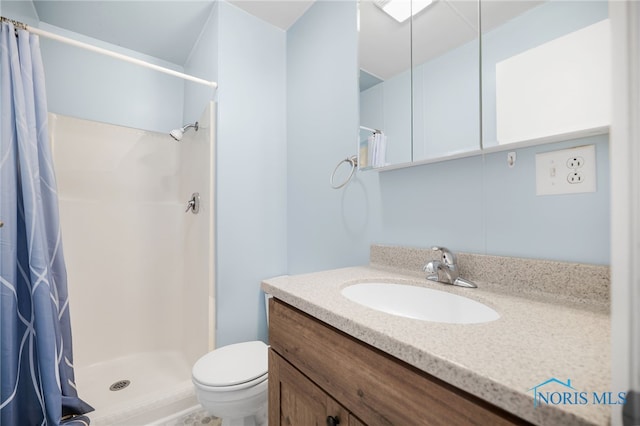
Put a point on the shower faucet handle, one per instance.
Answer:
(194, 203)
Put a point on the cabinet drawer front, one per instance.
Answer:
(375, 387)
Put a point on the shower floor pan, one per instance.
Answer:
(159, 384)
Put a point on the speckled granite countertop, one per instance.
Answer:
(533, 341)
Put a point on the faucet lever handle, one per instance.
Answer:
(448, 258)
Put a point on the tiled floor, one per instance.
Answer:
(198, 417)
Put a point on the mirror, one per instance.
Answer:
(545, 71)
(419, 80)
(385, 86)
(427, 95)
(446, 80)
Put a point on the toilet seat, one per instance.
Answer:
(253, 384)
(232, 367)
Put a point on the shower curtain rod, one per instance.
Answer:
(110, 53)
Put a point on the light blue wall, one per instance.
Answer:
(202, 62)
(327, 228)
(480, 205)
(22, 11)
(435, 204)
(565, 227)
(251, 175)
(88, 85)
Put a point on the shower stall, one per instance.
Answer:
(140, 263)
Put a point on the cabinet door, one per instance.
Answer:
(294, 400)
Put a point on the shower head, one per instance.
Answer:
(177, 133)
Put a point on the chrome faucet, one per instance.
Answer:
(445, 270)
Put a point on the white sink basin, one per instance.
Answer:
(420, 303)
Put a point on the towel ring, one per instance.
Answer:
(353, 160)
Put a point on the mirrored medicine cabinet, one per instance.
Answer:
(444, 79)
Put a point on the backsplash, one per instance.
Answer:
(564, 282)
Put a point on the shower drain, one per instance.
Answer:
(119, 385)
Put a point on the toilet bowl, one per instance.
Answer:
(231, 383)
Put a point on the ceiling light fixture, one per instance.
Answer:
(401, 10)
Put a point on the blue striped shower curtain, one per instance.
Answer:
(36, 366)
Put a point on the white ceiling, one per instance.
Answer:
(280, 13)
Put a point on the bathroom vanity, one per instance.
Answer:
(333, 361)
(318, 375)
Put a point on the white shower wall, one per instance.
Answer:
(140, 271)
(197, 174)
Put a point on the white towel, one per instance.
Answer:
(378, 145)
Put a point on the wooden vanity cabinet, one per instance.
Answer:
(300, 401)
(317, 372)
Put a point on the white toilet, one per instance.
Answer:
(231, 383)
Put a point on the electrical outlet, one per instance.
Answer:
(575, 178)
(567, 171)
(575, 162)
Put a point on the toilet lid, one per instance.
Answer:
(232, 365)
